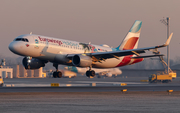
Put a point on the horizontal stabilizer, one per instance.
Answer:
(147, 56)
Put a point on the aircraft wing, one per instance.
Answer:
(115, 54)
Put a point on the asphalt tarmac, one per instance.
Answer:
(90, 89)
(35, 95)
(84, 84)
(90, 102)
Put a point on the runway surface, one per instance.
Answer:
(89, 89)
(90, 102)
(35, 95)
(83, 84)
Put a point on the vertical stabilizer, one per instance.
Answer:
(132, 38)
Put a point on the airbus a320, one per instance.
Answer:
(39, 50)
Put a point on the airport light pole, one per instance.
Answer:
(166, 22)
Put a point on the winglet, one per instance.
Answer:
(168, 40)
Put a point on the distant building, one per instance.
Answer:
(6, 72)
(16, 71)
(30, 73)
(38, 72)
(21, 72)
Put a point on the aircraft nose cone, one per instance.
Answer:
(13, 47)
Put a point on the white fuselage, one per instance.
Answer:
(56, 50)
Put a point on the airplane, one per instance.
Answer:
(100, 72)
(69, 74)
(39, 50)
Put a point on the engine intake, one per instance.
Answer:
(81, 61)
(33, 63)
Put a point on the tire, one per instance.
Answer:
(59, 74)
(165, 81)
(54, 74)
(88, 73)
(92, 73)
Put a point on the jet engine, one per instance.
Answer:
(81, 61)
(32, 63)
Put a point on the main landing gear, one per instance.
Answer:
(57, 74)
(90, 73)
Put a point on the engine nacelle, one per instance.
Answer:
(33, 63)
(81, 61)
(109, 74)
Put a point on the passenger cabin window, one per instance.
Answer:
(21, 39)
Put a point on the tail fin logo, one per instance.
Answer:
(130, 44)
(132, 38)
(136, 27)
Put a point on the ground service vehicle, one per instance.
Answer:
(1, 81)
(164, 78)
(173, 74)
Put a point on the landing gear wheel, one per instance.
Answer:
(90, 73)
(57, 74)
(54, 74)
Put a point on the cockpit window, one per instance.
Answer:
(26, 40)
(22, 39)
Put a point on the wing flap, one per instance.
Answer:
(147, 56)
(114, 54)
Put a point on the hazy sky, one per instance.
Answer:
(95, 21)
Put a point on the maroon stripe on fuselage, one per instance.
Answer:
(137, 60)
(125, 61)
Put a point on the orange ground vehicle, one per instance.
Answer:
(164, 78)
